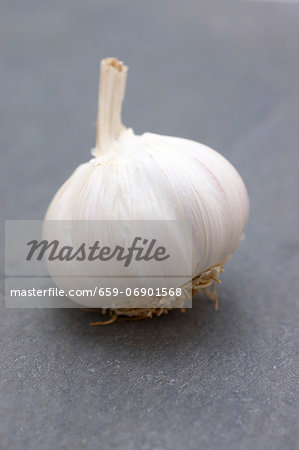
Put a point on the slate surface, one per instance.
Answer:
(223, 73)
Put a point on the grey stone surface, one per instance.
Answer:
(223, 73)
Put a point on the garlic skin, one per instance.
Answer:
(155, 177)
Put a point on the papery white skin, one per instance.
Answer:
(154, 177)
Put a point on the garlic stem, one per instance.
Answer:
(113, 75)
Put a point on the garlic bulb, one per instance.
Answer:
(154, 177)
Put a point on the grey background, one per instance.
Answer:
(223, 73)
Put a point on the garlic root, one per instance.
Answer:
(204, 283)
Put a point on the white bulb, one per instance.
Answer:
(154, 177)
